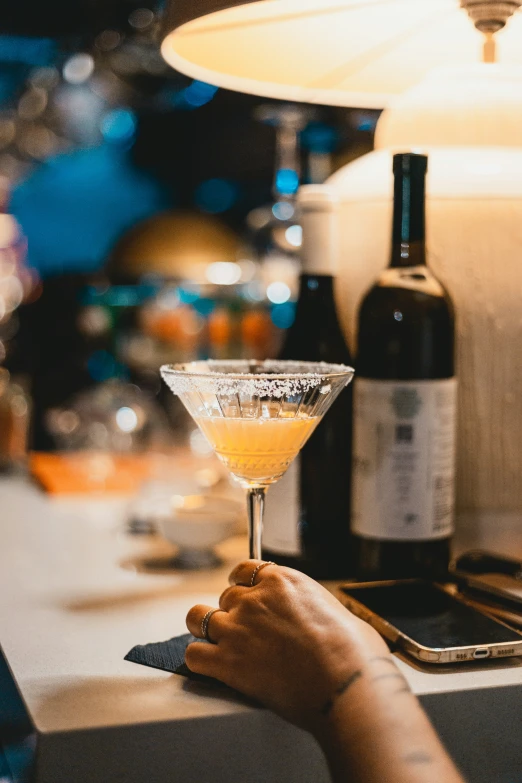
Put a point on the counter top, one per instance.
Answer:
(72, 605)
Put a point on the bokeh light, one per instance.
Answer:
(223, 273)
(278, 292)
(78, 68)
(294, 235)
(198, 94)
(283, 210)
(283, 315)
(118, 125)
(287, 182)
(141, 18)
(126, 419)
(107, 40)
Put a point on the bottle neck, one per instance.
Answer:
(317, 300)
(320, 288)
(316, 334)
(409, 220)
(320, 246)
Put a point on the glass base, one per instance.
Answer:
(196, 559)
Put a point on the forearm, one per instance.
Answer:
(375, 729)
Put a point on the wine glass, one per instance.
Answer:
(257, 416)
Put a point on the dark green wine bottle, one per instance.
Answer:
(405, 403)
(307, 512)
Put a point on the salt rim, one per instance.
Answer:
(182, 380)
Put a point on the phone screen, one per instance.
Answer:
(430, 616)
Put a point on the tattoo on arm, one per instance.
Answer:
(342, 688)
(390, 676)
(405, 688)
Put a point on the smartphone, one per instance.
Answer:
(493, 578)
(428, 623)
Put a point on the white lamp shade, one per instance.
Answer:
(469, 105)
(359, 53)
(474, 221)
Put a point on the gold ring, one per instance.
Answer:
(258, 568)
(204, 624)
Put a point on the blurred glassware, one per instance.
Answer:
(275, 232)
(16, 280)
(319, 139)
(205, 285)
(17, 284)
(193, 472)
(113, 417)
(15, 414)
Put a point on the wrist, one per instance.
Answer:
(358, 695)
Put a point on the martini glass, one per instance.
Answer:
(257, 416)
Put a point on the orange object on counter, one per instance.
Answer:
(257, 331)
(88, 472)
(219, 328)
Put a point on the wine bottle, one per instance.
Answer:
(307, 512)
(405, 403)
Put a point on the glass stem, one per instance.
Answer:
(256, 506)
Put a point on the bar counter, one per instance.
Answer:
(72, 604)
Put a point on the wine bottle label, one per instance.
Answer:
(281, 517)
(404, 459)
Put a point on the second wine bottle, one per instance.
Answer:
(308, 511)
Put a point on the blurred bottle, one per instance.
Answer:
(307, 517)
(15, 412)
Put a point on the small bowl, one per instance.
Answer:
(196, 524)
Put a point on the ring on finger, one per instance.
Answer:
(257, 569)
(205, 622)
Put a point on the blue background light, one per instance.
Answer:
(194, 96)
(102, 366)
(199, 93)
(287, 182)
(216, 195)
(75, 206)
(118, 125)
(283, 315)
(30, 51)
(320, 137)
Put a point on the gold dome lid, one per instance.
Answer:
(176, 244)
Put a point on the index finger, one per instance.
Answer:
(250, 572)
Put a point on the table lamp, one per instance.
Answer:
(357, 53)
(420, 60)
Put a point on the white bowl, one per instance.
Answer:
(196, 524)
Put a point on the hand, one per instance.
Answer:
(286, 641)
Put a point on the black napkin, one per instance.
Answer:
(168, 656)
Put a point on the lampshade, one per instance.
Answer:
(469, 105)
(359, 53)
